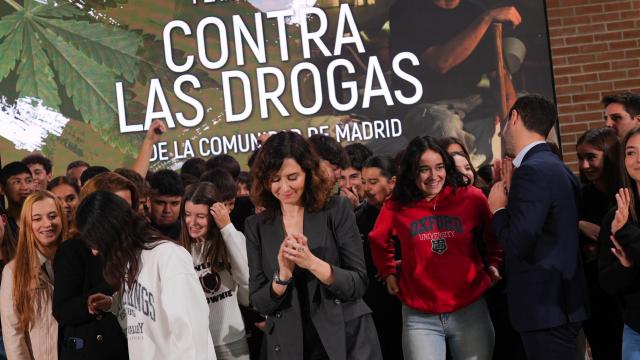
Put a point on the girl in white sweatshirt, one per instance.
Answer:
(160, 303)
(220, 260)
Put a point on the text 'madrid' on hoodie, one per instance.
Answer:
(442, 269)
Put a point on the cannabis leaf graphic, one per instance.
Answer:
(49, 42)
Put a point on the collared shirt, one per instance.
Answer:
(46, 265)
(518, 159)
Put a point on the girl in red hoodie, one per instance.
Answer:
(443, 276)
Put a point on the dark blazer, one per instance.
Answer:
(339, 314)
(78, 274)
(539, 234)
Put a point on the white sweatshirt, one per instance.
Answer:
(225, 289)
(165, 313)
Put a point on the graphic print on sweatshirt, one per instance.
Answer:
(212, 283)
(437, 229)
(138, 303)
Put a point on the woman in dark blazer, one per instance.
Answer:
(306, 263)
(83, 334)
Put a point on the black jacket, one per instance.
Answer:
(339, 315)
(78, 274)
(615, 278)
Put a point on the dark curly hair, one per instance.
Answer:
(109, 225)
(283, 145)
(406, 190)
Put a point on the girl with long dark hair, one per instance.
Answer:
(160, 302)
(443, 276)
(619, 246)
(220, 259)
(598, 162)
(86, 332)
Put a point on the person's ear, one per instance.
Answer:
(392, 182)
(515, 117)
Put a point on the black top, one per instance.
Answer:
(594, 205)
(242, 210)
(311, 343)
(615, 278)
(366, 216)
(78, 274)
(172, 230)
(13, 225)
(417, 25)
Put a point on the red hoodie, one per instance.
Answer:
(442, 270)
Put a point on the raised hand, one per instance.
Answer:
(220, 214)
(156, 129)
(506, 172)
(623, 199)
(350, 194)
(498, 197)
(285, 264)
(298, 251)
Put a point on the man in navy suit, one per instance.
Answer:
(535, 218)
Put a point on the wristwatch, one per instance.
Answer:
(276, 278)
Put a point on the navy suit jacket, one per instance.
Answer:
(539, 233)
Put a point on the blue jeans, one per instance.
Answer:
(468, 332)
(630, 344)
(3, 353)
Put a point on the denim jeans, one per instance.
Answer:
(468, 332)
(630, 344)
(3, 353)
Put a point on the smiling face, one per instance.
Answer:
(287, 185)
(18, 188)
(69, 199)
(431, 174)
(376, 186)
(463, 166)
(632, 157)
(196, 217)
(351, 178)
(40, 176)
(590, 161)
(46, 222)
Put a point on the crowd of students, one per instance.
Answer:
(325, 252)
